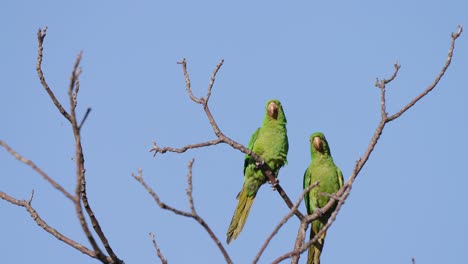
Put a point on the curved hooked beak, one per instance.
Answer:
(317, 143)
(273, 110)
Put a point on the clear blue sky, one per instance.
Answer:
(320, 58)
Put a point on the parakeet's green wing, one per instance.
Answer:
(250, 146)
(307, 184)
(340, 177)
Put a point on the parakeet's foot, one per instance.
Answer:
(320, 212)
(258, 165)
(274, 184)
(336, 197)
(333, 196)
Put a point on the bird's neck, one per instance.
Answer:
(267, 122)
(320, 158)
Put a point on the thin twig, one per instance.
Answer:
(31, 197)
(190, 187)
(437, 79)
(38, 170)
(139, 178)
(158, 250)
(301, 233)
(41, 34)
(80, 188)
(187, 81)
(212, 80)
(193, 214)
(381, 84)
(157, 149)
(88, 110)
(40, 222)
(73, 88)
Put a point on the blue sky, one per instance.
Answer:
(319, 58)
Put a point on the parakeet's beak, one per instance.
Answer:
(273, 110)
(317, 143)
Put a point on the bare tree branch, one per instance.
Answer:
(192, 214)
(40, 39)
(88, 110)
(161, 204)
(344, 192)
(190, 187)
(158, 250)
(73, 90)
(221, 138)
(157, 149)
(40, 222)
(38, 170)
(437, 79)
(80, 188)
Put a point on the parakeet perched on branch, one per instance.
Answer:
(270, 142)
(322, 169)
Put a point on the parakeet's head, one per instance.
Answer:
(318, 143)
(274, 111)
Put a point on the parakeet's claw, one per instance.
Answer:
(274, 184)
(258, 165)
(320, 212)
(336, 197)
(333, 196)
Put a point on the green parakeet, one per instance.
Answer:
(322, 169)
(270, 141)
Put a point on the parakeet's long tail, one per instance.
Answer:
(240, 215)
(316, 249)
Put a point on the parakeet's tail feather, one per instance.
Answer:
(316, 249)
(240, 215)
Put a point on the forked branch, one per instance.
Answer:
(192, 214)
(40, 222)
